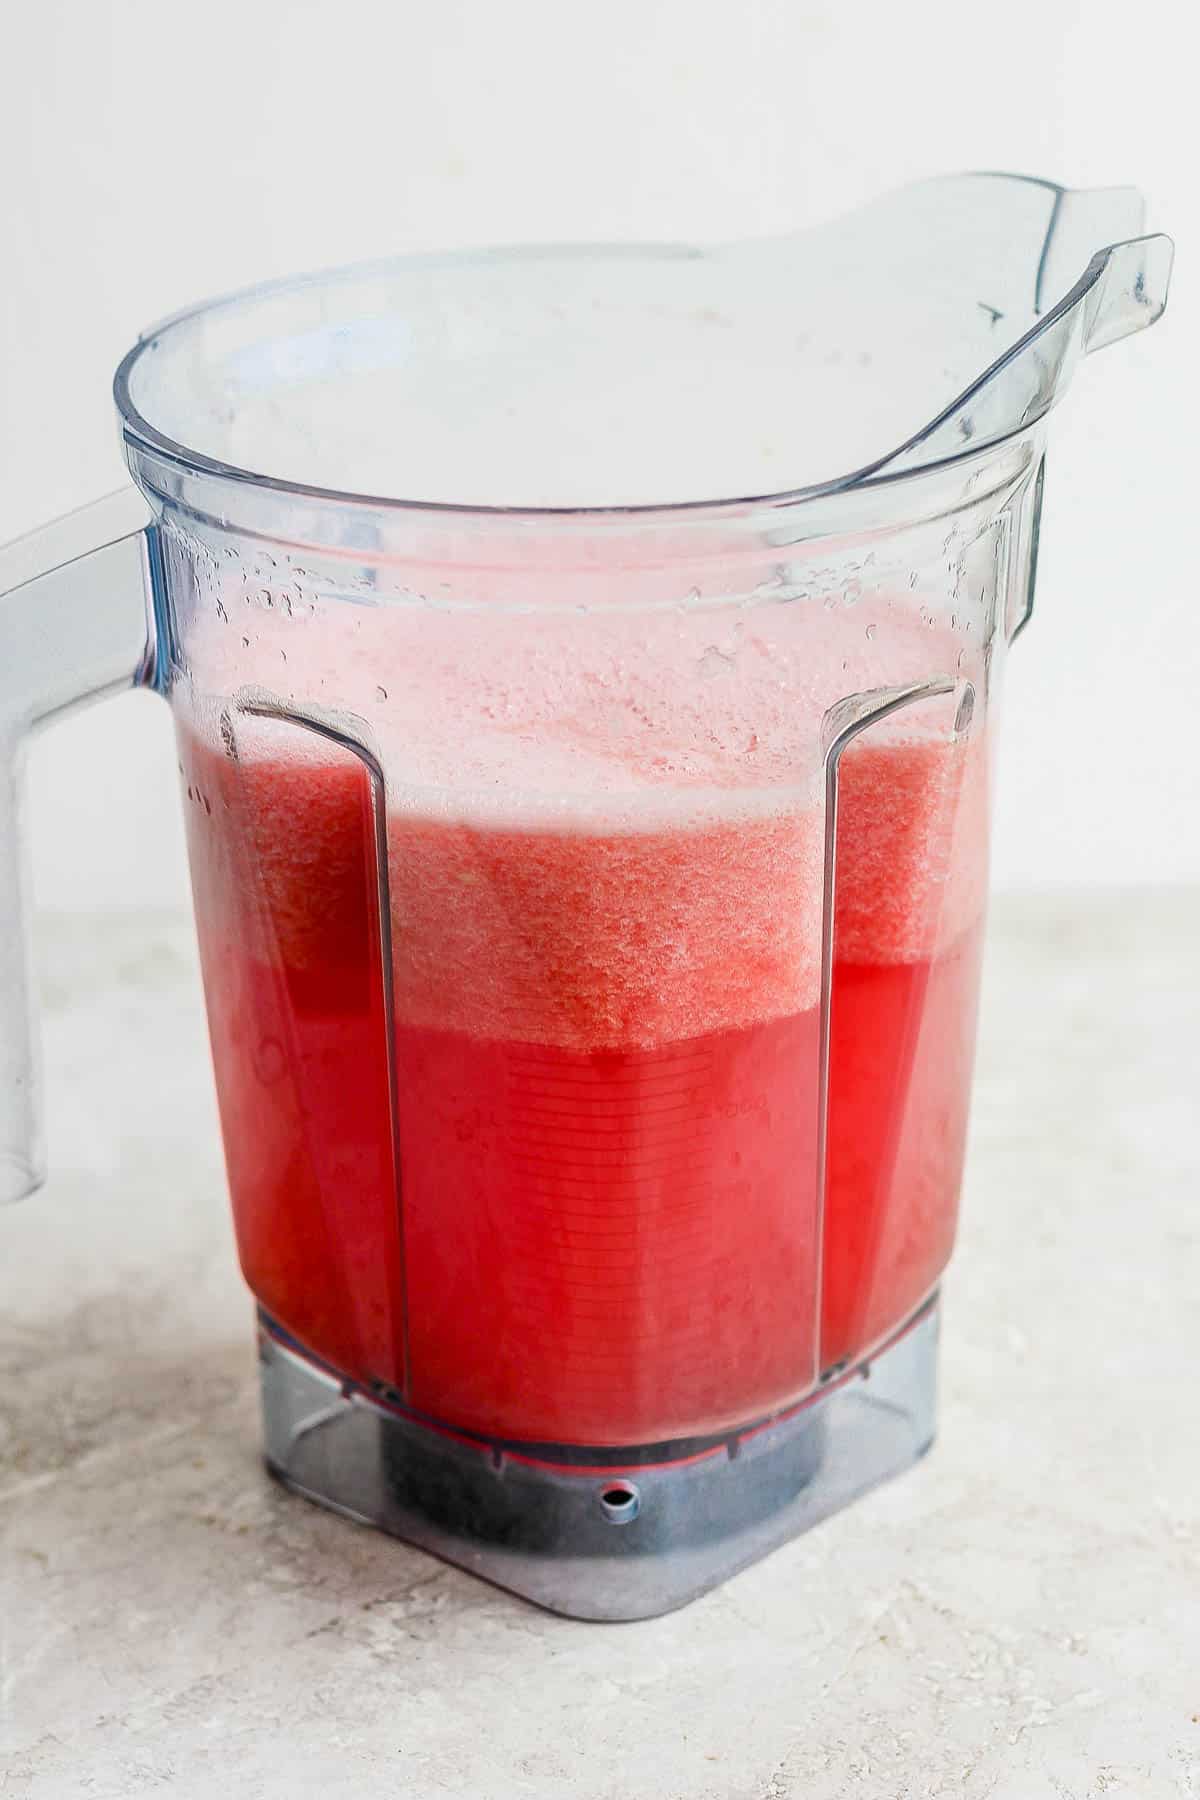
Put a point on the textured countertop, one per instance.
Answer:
(1017, 1618)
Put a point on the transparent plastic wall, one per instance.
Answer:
(591, 929)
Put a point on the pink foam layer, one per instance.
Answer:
(602, 829)
(586, 941)
(912, 847)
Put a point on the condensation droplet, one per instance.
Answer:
(871, 630)
(222, 614)
(381, 693)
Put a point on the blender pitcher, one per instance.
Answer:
(584, 664)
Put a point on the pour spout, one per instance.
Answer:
(1095, 279)
(1129, 291)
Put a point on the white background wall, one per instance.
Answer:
(153, 153)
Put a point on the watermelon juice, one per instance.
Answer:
(598, 1219)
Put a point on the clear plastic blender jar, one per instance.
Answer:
(584, 666)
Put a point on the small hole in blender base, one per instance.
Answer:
(619, 1502)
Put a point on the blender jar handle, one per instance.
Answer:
(78, 604)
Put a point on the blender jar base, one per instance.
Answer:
(629, 1534)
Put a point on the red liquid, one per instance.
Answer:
(902, 1041)
(603, 1241)
(610, 1247)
